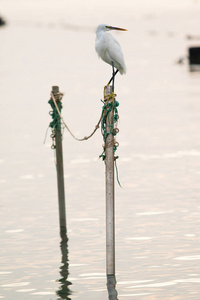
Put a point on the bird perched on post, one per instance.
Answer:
(109, 49)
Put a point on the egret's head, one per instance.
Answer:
(105, 27)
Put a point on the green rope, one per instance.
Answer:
(117, 174)
(107, 129)
(56, 123)
(106, 109)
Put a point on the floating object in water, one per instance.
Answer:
(194, 58)
(2, 22)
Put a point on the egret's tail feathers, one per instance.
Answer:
(122, 71)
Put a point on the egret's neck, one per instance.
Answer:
(100, 33)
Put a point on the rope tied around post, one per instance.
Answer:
(55, 124)
(106, 110)
(55, 111)
(110, 106)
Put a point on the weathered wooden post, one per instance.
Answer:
(59, 165)
(110, 196)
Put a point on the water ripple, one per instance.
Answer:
(192, 257)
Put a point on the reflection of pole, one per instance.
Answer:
(64, 290)
(111, 284)
(110, 207)
(59, 164)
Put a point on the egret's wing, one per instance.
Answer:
(116, 54)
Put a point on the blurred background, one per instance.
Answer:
(45, 43)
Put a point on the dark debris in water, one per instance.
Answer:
(2, 21)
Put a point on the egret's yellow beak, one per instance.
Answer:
(116, 28)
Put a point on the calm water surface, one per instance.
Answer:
(157, 209)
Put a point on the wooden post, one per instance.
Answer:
(60, 171)
(110, 197)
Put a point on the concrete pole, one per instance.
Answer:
(60, 171)
(110, 197)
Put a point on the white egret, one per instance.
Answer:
(109, 50)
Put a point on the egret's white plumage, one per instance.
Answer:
(108, 47)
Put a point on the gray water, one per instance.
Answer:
(49, 43)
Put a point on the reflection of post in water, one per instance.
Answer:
(111, 284)
(64, 290)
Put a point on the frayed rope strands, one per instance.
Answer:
(107, 108)
(61, 118)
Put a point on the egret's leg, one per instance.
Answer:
(112, 76)
(113, 81)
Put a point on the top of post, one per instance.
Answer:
(55, 89)
(107, 90)
(57, 95)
